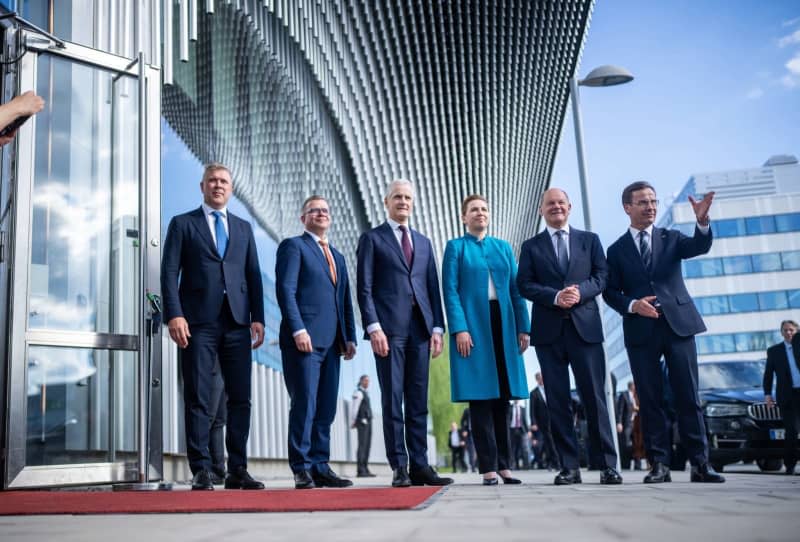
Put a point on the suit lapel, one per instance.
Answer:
(577, 247)
(315, 249)
(633, 252)
(546, 248)
(656, 246)
(385, 231)
(201, 224)
(419, 245)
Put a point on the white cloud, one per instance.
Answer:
(791, 39)
(794, 64)
(754, 93)
(791, 79)
(790, 22)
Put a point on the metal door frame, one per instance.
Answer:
(15, 472)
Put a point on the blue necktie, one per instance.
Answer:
(219, 231)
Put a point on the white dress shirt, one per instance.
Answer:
(212, 221)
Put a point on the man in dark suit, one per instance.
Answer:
(783, 362)
(317, 327)
(214, 306)
(625, 413)
(361, 421)
(401, 307)
(518, 429)
(659, 318)
(540, 427)
(562, 270)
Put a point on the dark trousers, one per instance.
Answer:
(231, 343)
(490, 434)
(790, 412)
(219, 415)
(403, 378)
(548, 457)
(680, 354)
(312, 380)
(588, 367)
(457, 453)
(364, 432)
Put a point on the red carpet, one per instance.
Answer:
(176, 502)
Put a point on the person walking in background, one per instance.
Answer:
(783, 363)
(466, 430)
(626, 412)
(401, 310)
(546, 455)
(562, 270)
(214, 306)
(457, 446)
(317, 328)
(361, 421)
(645, 285)
(518, 427)
(489, 330)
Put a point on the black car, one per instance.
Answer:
(740, 426)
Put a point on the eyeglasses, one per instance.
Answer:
(318, 211)
(646, 203)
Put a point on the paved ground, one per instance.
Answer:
(750, 507)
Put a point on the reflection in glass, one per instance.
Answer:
(735, 265)
(84, 235)
(771, 301)
(81, 405)
(712, 375)
(731, 227)
(788, 222)
(757, 225)
(791, 260)
(743, 302)
(766, 262)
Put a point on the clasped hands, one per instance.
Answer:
(568, 297)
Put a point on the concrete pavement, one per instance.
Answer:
(751, 506)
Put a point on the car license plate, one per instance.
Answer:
(777, 434)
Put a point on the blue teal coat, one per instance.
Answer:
(465, 284)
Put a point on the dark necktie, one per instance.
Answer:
(221, 234)
(644, 249)
(405, 242)
(561, 252)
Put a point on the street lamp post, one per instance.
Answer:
(603, 76)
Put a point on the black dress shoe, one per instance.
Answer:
(330, 479)
(490, 481)
(202, 480)
(567, 477)
(610, 476)
(790, 470)
(428, 477)
(706, 474)
(365, 474)
(400, 477)
(216, 478)
(303, 480)
(241, 479)
(510, 480)
(658, 474)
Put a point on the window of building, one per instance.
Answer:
(736, 265)
(793, 297)
(756, 225)
(766, 262)
(730, 227)
(788, 222)
(791, 260)
(743, 302)
(706, 267)
(715, 304)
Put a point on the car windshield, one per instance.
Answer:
(730, 375)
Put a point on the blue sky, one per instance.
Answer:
(717, 86)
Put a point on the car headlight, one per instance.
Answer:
(718, 410)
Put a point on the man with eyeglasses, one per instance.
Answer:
(317, 328)
(646, 287)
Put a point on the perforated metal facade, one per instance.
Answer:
(338, 98)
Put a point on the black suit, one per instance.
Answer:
(625, 419)
(671, 335)
(547, 457)
(787, 396)
(219, 297)
(570, 337)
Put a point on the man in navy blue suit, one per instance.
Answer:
(783, 363)
(401, 307)
(659, 318)
(214, 306)
(317, 327)
(562, 270)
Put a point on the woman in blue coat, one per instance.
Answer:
(489, 329)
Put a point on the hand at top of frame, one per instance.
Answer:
(701, 208)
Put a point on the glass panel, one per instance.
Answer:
(766, 262)
(788, 222)
(791, 260)
(687, 228)
(732, 227)
(770, 301)
(760, 224)
(736, 265)
(749, 342)
(743, 302)
(77, 398)
(708, 267)
(717, 304)
(794, 298)
(84, 268)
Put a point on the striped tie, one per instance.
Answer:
(644, 249)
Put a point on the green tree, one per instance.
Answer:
(442, 410)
